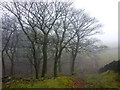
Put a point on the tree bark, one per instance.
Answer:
(59, 65)
(72, 67)
(44, 68)
(57, 57)
(36, 72)
(12, 68)
(55, 67)
(3, 67)
(73, 64)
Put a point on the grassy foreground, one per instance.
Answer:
(59, 82)
(107, 79)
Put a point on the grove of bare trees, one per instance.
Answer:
(45, 31)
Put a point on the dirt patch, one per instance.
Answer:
(78, 83)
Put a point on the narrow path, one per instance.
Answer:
(78, 82)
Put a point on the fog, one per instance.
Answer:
(108, 36)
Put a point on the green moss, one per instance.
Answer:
(59, 82)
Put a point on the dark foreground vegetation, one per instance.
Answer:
(108, 79)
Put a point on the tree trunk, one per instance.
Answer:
(74, 55)
(73, 64)
(59, 65)
(57, 57)
(55, 66)
(44, 68)
(35, 61)
(12, 68)
(3, 67)
(72, 67)
(36, 72)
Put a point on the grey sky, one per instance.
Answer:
(106, 11)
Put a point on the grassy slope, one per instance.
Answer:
(107, 79)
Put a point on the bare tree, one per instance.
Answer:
(64, 33)
(88, 48)
(24, 20)
(40, 17)
(7, 34)
(86, 27)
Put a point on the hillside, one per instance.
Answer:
(115, 66)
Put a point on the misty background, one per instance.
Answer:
(106, 11)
